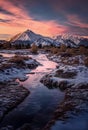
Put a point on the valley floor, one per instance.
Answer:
(70, 77)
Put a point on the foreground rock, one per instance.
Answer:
(11, 95)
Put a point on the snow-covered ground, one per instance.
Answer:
(12, 68)
(73, 80)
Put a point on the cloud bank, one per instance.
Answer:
(47, 17)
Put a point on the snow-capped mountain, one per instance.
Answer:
(44, 41)
(68, 40)
(29, 37)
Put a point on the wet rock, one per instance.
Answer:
(51, 83)
(10, 96)
(62, 74)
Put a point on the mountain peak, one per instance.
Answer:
(27, 35)
(28, 31)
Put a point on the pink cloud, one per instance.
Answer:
(75, 21)
(22, 20)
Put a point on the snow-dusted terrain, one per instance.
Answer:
(12, 68)
(72, 78)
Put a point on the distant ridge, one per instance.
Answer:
(29, 36)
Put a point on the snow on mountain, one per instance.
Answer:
(29, 37)
(68, 40)
(44, 41)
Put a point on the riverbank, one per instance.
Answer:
(37, 109)
(72, 78)
(11, 92)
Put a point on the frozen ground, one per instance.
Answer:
(11, 94)
(12, 68)
(73, 80)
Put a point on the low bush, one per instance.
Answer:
(34, 49)
(63, 48)
(54, 50)
(82, 50)
(86, 62)
(19, 60)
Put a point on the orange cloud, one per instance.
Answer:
(21, 20)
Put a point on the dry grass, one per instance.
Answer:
(63, 48)
(86, 61)
(82, 50)
(61, 74)
(54, 50)
(34, 49)
(5, 66)
(19, 60)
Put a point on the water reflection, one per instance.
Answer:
(38, 107)
(6, 55)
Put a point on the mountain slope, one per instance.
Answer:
(68, 40)
(29, 37)
(26, 36)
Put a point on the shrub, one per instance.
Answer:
(34, 48)
(71, 51)
(19, 60)
(86, 62)
(63, 48)
(5, 66)
(82, 50)
(54, 50)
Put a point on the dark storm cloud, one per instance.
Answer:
(54, 9)
(5, 11)
(4, 21)
(70, 13)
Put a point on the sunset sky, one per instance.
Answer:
(46, 17)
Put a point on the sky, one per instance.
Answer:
(46, 17)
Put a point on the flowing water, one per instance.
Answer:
(37, 109)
